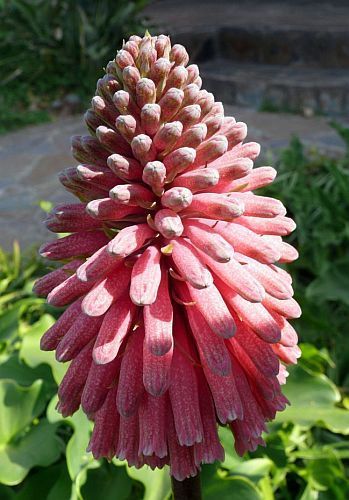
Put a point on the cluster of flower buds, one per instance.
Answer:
(177, 316)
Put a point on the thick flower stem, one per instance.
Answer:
(189, 489)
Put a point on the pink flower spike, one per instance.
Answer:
(177, 316)
(146, 276)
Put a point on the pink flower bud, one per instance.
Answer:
(178, 161)
(168, 223)
(145, 92)
(150, 118)
(132, 195)
(154, 174)
(143, 148)
(125, 168)
(179, 55)
(167, 135)
(177, 198)
(127, 126)
(123, 58)
(177, 78)
(170, 103)
(131, 76)
(191, 93)
(198, 180)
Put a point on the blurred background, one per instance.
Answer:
(283, 67)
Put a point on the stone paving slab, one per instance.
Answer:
(30, 160)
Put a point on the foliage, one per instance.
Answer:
(315, 190)
(53, 47)
(44, 456)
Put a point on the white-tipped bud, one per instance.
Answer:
(167, 135)
(143, 149)
(177, 77)
(127, 126)
(126, 168)
(150, 118)
(123, 58)
(179, 55)
(191, 93)
(178, 160)
(177, 198)
(198, 180)
(130, 77)
(147, 56)
(168, 223)
(145, 92)
(189, 115)
(170, 103)
(193, 73)
(154, 174)
(206, 101)
(163, 46)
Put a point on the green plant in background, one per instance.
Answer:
(43, 455)
(51, 48)
(315, 190)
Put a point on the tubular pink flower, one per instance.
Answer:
(177, 316)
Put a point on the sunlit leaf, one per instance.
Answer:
(40, 446)
(313, 399)
(156, 482)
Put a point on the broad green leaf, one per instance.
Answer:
(38, 447)
(106, 481)
(79, 461)
(232, 459)
(30, 350)
(255, 469)
(13, 368)
(18, 407)
(157, 482)
(215, 486)
(313, 399)
(6, 493)
(49, 483)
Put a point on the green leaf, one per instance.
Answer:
(79, 461)
(18, 407)
(30, 350)
(157, 482)
(232, 459)
(105, 481)
(215, 486)
(50, 483)
(313, 399)
(38, 447)
(13, 368)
